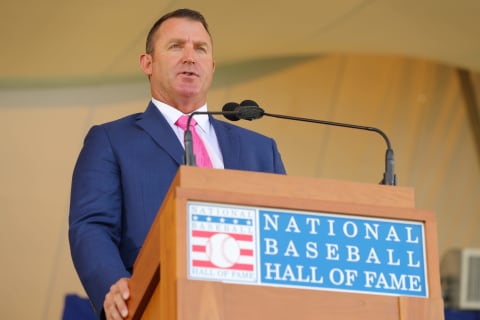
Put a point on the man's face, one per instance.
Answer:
(181, 65)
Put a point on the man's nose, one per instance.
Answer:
(188, 56)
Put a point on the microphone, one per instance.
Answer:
(247, 110)
(232, 111)
(251, 109)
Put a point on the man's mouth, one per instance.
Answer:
(188, 73)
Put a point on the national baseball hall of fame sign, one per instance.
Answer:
(308, 250)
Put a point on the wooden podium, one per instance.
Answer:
(161, 289)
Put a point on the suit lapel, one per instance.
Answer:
(153, 122)
(228, 142)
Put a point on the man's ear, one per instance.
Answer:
(146, 63)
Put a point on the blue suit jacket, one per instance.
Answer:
(122, 174)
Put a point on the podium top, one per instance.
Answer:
(295, 187)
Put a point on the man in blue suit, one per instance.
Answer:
(126, 166)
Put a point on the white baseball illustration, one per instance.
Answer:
(222, 250)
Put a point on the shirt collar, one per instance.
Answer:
(172, 114)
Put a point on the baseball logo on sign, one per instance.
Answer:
(221, 243)
(222, 250)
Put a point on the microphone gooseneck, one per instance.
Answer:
(187, 140)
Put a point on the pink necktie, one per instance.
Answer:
(201, 155)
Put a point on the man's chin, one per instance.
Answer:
(188, 91)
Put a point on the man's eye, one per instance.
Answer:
(174, 46)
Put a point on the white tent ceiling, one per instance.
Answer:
(59, 42)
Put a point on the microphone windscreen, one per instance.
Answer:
(249, 103)
(230, 107)
(250, 110)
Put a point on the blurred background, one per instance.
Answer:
(410, 68)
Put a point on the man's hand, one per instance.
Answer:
(115, 304)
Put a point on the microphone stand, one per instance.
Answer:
(389, 177)
(249, 110)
